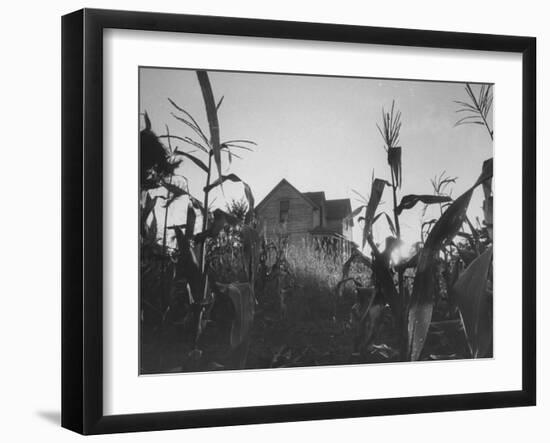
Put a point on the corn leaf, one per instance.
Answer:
(488, 208)
(194, 159)
(176, 190)
(149, 232)
(212, 114)
(382, 274)
(197, 205)
(250, 198)
(190, 223)
(189, 121)
(148, 207)
(409, 201)
(187, 265)
(251, 250)
(185, 250)
(147, 121)
(219, 103)
(444, 230)
(228, 145)
(374, 200)
(240, 141)
(221, 179)
(356, 211)
(388, 219)
(243, 302)
(187, 140)
(467, 256)
(475, 303)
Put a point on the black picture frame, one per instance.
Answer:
(82, 215)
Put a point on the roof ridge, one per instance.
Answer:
(282, 181)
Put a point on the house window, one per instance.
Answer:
(283, 211)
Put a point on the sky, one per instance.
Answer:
(320, 134)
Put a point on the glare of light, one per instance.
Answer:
(401, 252)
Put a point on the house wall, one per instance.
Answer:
(336, 225)
(300, 216)
(341, 226)
(348, 230)
(316, 218)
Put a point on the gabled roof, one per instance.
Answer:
(316, 197)
(338, 209)
(284, 181)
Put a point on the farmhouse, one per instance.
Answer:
(306, 217)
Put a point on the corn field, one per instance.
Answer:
(217, 293)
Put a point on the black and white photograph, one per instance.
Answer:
(297, 220)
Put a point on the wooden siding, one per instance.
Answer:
(335, 225)
(307, 221)
(348, 230)
(342, 227)
(316, 218)
(300, 214)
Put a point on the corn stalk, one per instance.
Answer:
(196, 270)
